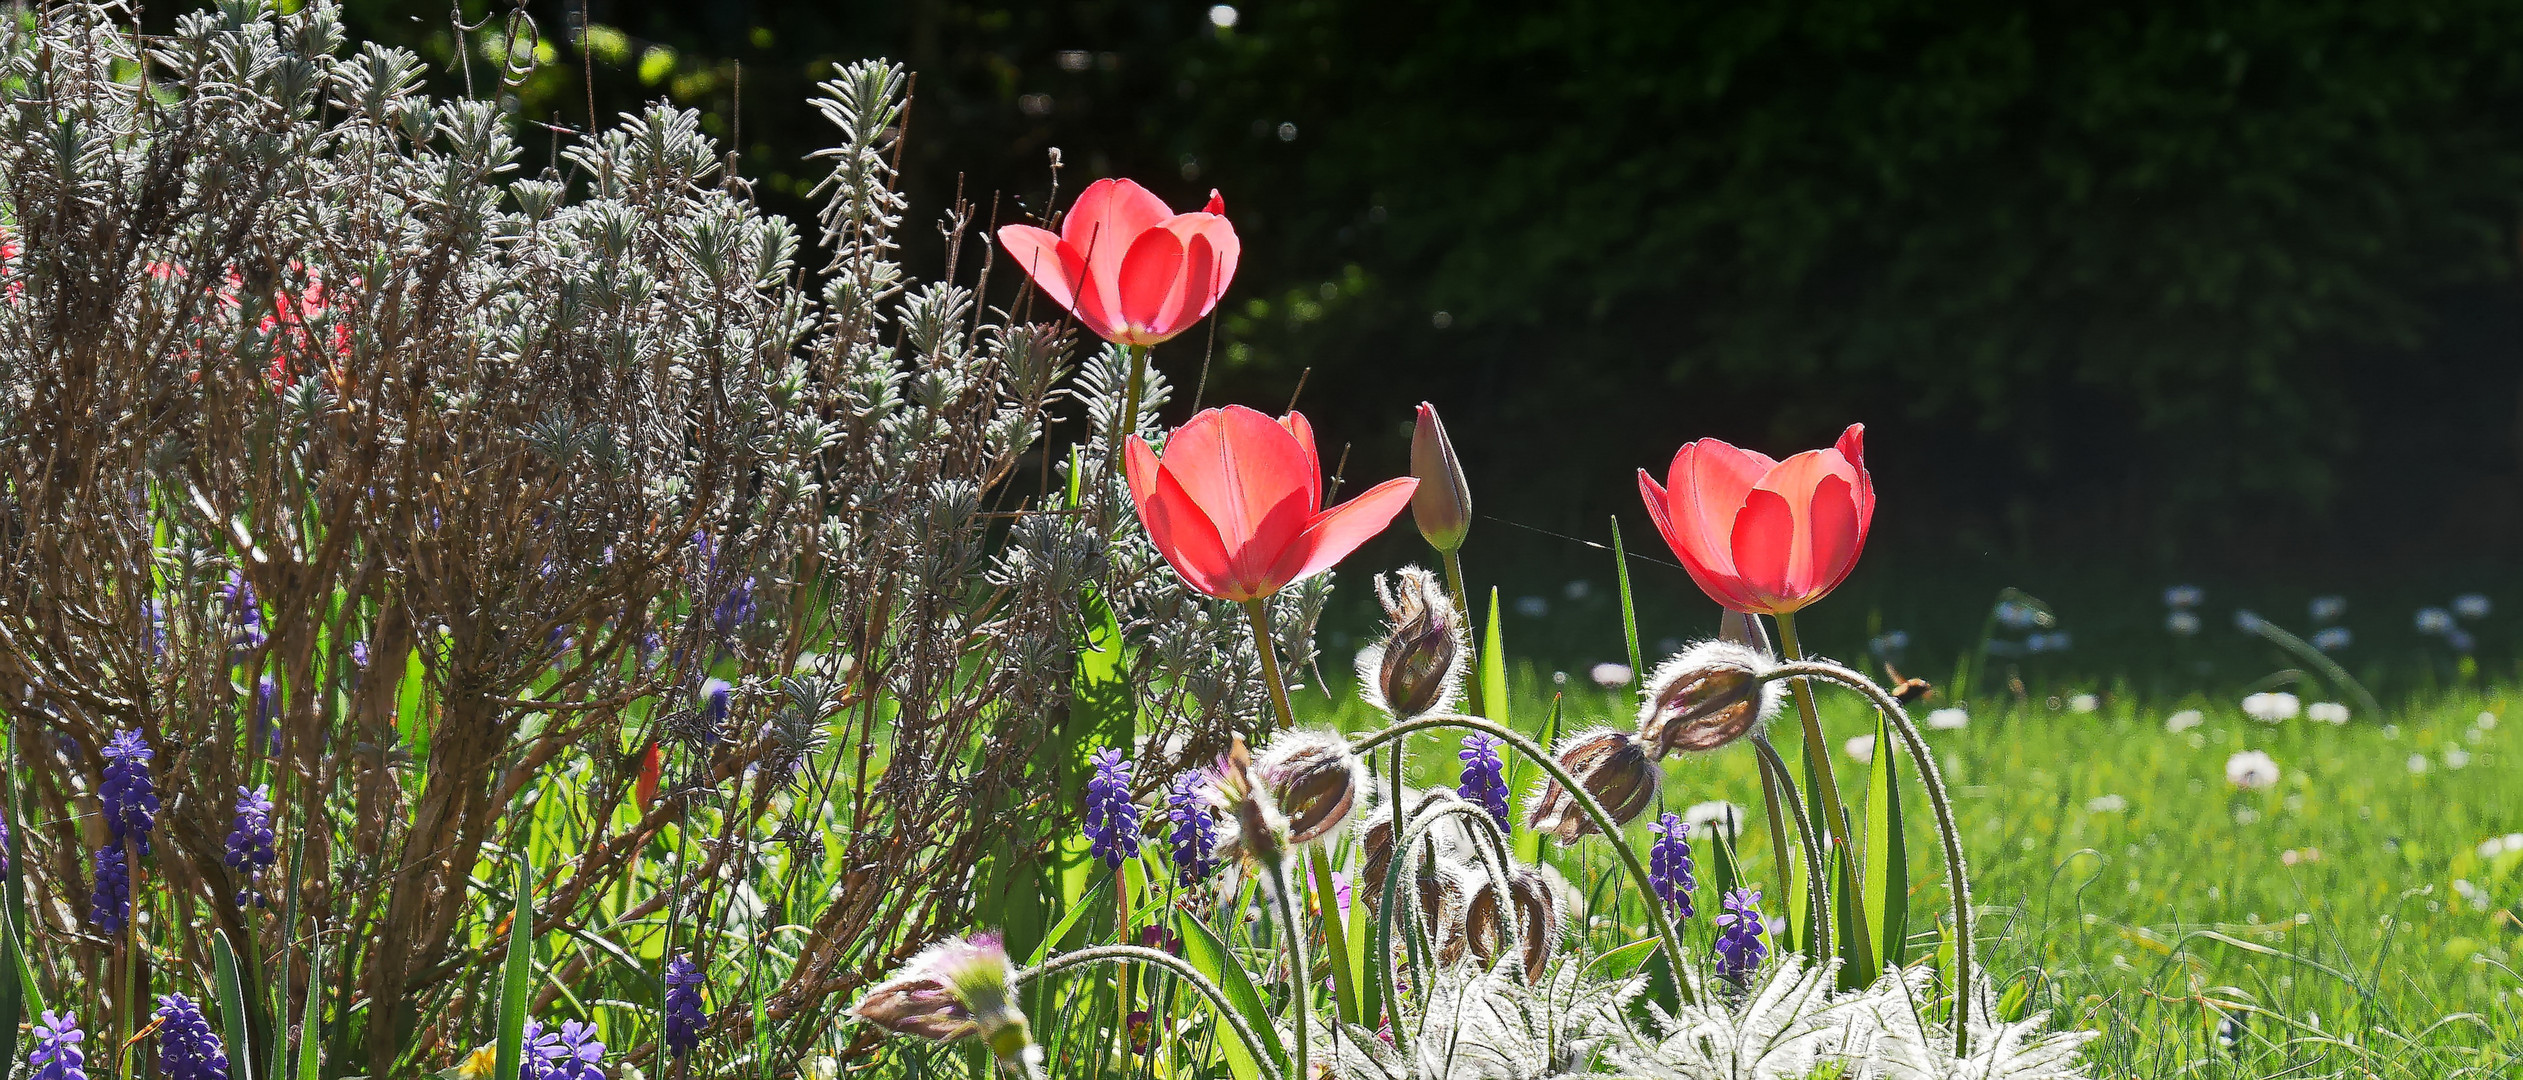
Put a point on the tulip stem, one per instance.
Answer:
(1826, 793)
(1463, 607)
(1946, 831)
(1258, 610)
(1585, 801)
(1127, 424)
(1134, 954)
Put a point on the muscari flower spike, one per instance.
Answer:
(109, 905)
(187, 1048)
(57, 1055)
(129, 793)
(1669, 863)
(571, 1053)
(684, 1016)
(251, 846)
(1739, 928)
(267, 712)
(1112, 820)
(1195, 837)
(1484, 776)
(4, 841)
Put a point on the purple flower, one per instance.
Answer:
(243, 605)
(1484, 776)
(157, 626)
(684, 1018)
(1112, 820)
(4, 841)
(714, 694)
(250, 842)
(572, 1053)
(56, 1055)
(359, 653)
(1669, 863)
(1739, 928)
(187, 1050)
(735, 609)
(267, 712)
(109, 905)
(130, 795)
(1195, 836)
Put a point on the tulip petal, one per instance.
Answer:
(1303, 429)
(1720, 586)
(1102, 225)
(1238, 466)
(1336, 532)
(1193, 295)
(1852, 448)
(1764, 543)
(1038, 252)
(1225, 251)
(1832, 536)
(1708, 481)
(1182, 533)
(1151, 281)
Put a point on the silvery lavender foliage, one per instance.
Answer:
(684, 1015)
(1669, 864)
(187, 1049)
(109, 901)
(251, 845)
(57, 1055)
(1194, 841)
(1112, 820)
(129, 793)
(1484, 776)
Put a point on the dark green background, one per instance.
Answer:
(2154, 290)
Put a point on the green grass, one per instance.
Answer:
(2345, 917)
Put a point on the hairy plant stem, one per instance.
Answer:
(1463, 608)
(1946, 831)
(1818, 905)
(1134, 954)
(1300, 971)
(1585, 801)
(1404, 852)
(1777, 802)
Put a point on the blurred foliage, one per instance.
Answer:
(2111, 276)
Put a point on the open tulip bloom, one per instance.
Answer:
(1132, 270)
(1236, 503)
(1760, 535)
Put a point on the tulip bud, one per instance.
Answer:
(1537, 908)
(1443, 504)
(1260, 830)
(1705, 697)
(956, 989)
(1314, 779)
(1612, 766)
(1418, 668)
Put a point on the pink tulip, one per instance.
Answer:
(1765, 536)
(1133, 271)
(1236, 503)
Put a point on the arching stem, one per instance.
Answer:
(1129, 954)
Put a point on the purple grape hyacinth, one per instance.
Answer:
(1484, 776)
(571, 1053)
(109, 904)
(251, 846)
(1112, 820)
(4, 840)
(1195, 836)
(1669, 863)
(57, 1055)
(267, 712)
(1739, 929)
(714, 707)
(187, 1049)
(129, 793)
(684, 1017)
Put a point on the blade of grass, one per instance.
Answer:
(310, 1026)
(516, 976)
(231, 1005)
(1887, 854)
(1205, 950)
(1629, 608)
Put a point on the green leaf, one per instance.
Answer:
(1721, 860)
(1204, 949)
(1857, 954)
(1629, 608)
(1102, 713)
(1619, 963)
(516, 976)
(1493, 666)
(17, 977)
(311, 1026)
(1528, 844)
(1068, 922)
(231, 1005)
(1887, 854)
(1348, 959)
